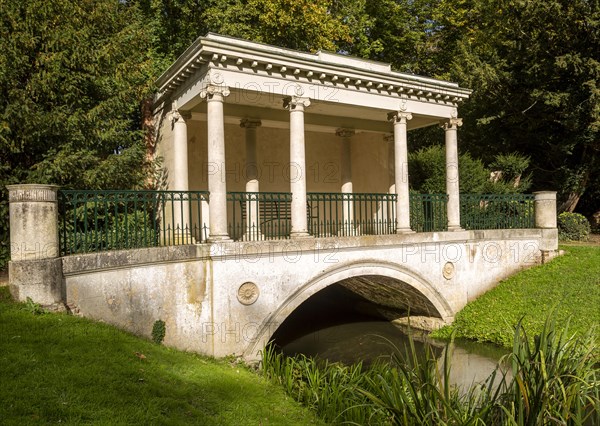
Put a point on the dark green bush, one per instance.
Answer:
(159, 330)
(573, 227)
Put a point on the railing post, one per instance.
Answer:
(35, 268)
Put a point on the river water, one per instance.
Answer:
(329, 327)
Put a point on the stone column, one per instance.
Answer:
(391, 207)
(545, 219)
(545, 209)
(215, 96)
(252, 185)
(35, 268)
(348, 225)
(296, 105)
(401, 170)
(180, 179)
(452, 180)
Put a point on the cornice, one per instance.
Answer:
(220, 52)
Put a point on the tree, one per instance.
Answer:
(72, 79)
(298, 24)
(535, 70)
(427, 171)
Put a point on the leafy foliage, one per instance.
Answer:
(573, 227)
(298, 24)
(159, 330)
(543, 102)
(427, 170)
(554, 377)
(72, 80)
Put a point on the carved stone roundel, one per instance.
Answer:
(248, 293)
(298, 90)
(216, 78)
(448, 270)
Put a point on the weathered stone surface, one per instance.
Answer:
(33, 222)
(41, 280)
(195, 289)
(545, 209)
(122, 258)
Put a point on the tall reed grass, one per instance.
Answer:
(555, 381)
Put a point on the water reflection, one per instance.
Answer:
(368, 340)
(332, 325)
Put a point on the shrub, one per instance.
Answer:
(573, 227)
(158, 331)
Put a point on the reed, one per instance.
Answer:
(555, 381)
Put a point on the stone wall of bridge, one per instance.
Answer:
(229, 298)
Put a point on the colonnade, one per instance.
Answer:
(215, 96)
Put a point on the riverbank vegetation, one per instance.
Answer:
(568, 287)
(56, 368)
(552, 379)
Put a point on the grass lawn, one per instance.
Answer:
(567, 287)
(59, 368)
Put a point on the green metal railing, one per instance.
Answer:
(338, 214)
(255, 216)
(92, 221)
(428, 212)
(497, 211)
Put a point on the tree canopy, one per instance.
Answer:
(74, 77)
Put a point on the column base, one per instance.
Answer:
(39, 280)
(219, 239)
(455, 228)
(300, 235)
(404, 231)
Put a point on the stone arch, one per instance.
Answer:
(348, 273)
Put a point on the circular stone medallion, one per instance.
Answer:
(247, 293)
(448, 270)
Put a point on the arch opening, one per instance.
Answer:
(350, 320)
(382, 290)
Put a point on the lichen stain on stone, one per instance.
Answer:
(113, 303)
(473, 251)
(196, 288)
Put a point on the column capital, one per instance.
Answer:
(399, 116)
(250, 123)
(451, 123)
(32, 193)
(175, 115)
(344, 133)
(296, 103)
(214, 92)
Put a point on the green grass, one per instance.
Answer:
(60, 368)
(568, 287)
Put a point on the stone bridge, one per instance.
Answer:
(224, 298)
